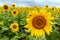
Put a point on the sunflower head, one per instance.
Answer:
(47, 6)
(36, 7)
(14, 27)
(58, 12)
(5, 7)
(39, 23)
(58, 9)
(13, 5)
(14, 12)
(53, 8)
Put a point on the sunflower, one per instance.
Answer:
(53, 8)
(58, 12)
(39, 23)
(14, 12)
(58, 9)
(56, 15)
(36, 8)
(14, 27)
(13, 5)
(47, 6)
(5, 7)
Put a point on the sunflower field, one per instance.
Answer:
(29, 23)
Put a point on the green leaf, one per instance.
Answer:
(23, 19)
(5, 28)
(24, 15)
(58, 21)
(4, 38)
(54, 34)
(14, 38)
(20, 34)
(42, 38)
(29, 37)
(22, 22)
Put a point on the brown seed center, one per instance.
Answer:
(5, 7)
(14, 12)
(14, 26)
(13, 5)
(39, 22)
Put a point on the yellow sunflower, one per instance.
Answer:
(58, 12)
(5, 7)
(14, 12)
(47, 6)
(14, 27)
(53, 8)
(13, 5)
(39, 23)
(36, 8)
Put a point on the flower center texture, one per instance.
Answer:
(39, 22)
(14, 26)
(5, 7)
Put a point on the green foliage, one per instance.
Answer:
(6, 18)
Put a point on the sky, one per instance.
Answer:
(24, 3)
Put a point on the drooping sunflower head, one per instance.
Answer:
(14, 27)
(39, 23)
(14, 12)
(5, 7)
